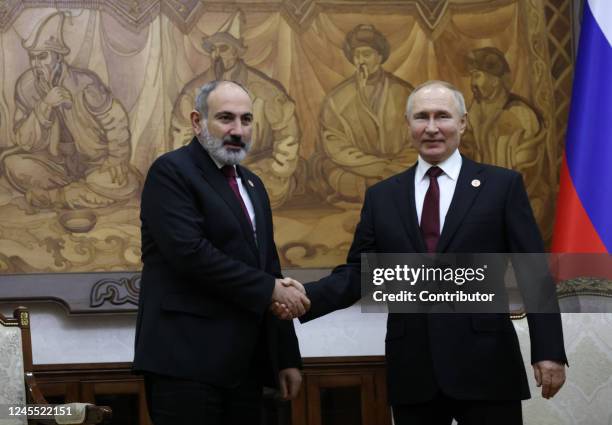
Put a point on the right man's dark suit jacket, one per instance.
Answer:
(471, 357)
(206, 282)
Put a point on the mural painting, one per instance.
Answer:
(92, 96)
(505, 128)
(362, 139)
(274, 157)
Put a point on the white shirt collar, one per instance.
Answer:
(451, 166)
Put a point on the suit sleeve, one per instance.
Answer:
(342, 288)
(545, 329)
(288, 348)
(170, 216)
(289, 355)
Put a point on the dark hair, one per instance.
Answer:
(204, 92)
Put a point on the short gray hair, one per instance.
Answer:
(204, 92)
(456, 92)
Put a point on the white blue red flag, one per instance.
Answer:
(584, 206)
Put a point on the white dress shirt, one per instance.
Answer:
(447, 183)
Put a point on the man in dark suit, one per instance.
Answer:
(462, 366)
(205, 339)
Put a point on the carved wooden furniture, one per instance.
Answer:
(17, 384)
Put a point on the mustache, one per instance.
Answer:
(476, 91)
(44, 74)
(234, 140)
(363, 71)
(40, 72)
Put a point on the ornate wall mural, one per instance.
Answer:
(94, 91)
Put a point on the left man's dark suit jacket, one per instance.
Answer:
(206, 282)
(467, 357)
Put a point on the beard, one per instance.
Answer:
(46, 78)
(477, 93)
(216, 147)
(41, 74)
(219, 68)
(485, 92)
(363, 72)
(43, 78)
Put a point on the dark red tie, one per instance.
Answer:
(230, 174)
(430, 216)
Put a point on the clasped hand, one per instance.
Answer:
(289, 299)
(58, 96)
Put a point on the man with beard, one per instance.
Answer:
(504, 128)
(73, 134)
(361, 142)
(275, 155)
(204, 336)
(503, 123)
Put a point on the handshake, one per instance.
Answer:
(289, 299)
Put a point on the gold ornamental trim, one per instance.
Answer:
(24, 319)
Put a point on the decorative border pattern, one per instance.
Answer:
(116, 291)
(77, 293)
(24, 319)
(559, 37)
(137, 14)
(585, 286)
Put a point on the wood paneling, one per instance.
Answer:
(115, 383)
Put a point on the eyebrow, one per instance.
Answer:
(435, 112)
(221, 113)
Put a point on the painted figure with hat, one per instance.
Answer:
(505, 129)
(361, 142)
(276, 135)
(72, 133)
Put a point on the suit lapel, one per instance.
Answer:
(404, 200)
(218, 182)
(463, 199)
(260, 222)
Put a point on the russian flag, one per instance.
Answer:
(584, 206)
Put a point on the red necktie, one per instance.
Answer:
(430, 216)
(230, 174)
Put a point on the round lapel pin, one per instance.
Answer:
(475, 182)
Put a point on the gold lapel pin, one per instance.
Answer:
(251, 183)
(475, 182)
